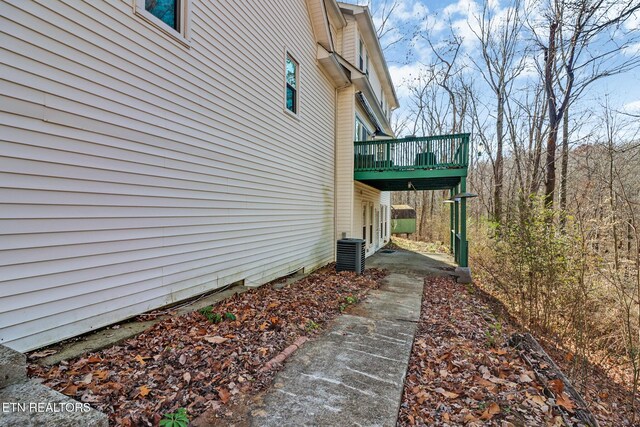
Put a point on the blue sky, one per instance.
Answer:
(406, 58)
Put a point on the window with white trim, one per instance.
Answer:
(169, 15)
(361, 131)
(291, 85)
(361, 56)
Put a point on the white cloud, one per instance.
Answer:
(404, 76)
(632, 107)
(632, 49)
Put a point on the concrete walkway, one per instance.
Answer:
(354, 374)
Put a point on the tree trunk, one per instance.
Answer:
(564, 170)
(498, 172)
(552, 140)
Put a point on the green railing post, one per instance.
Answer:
(388, 159)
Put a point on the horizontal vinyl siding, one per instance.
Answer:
(350, 39)
(366, 194)
(136, 172)
(345, 129)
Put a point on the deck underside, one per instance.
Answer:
(405, 184)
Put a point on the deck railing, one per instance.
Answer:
(430, 152)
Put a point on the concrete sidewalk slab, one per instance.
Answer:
(354, 374)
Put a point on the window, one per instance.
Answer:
(168, 15)
(361, 56)
(381, 215)
(361, 131)
(364, 222)
(371, 224)
(292, 85)
(168, 11)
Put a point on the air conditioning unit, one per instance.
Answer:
(350, 255)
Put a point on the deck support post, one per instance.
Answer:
(452, 231)
(464, 256)
(456, 227)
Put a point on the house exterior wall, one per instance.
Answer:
(350, 40)
(369, 198)
(137, 171)
(345, 126)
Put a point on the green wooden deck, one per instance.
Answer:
(421, 163)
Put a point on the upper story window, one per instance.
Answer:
(291, 85)
(168, 11)
(361, 56)
(168, 15)
(361, 131)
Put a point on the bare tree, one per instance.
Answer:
(582, 44)
(502, 62)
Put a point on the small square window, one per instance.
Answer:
(291, 85)
(168, 11)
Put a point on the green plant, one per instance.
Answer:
(311, 326)
(210, 315)
(343, 307)
(470, 289)
(175, 419)
(229, 316)
(351, 299)
(493, 334)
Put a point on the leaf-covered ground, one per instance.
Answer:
(190, 362)
(462, 371)
(416, 245)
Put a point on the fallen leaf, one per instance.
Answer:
(565, 401)
(224, 394)
(70, 390)
(447, 394)
(89, 398)
(182, 359)
(187, 377)
(469, 418)
(101, 375)
(492, 409)
(140, 360)
(557, 386)
(41, 354)
(215, 339)
(144, 390)
(539, 400)
(87, 378)
(524, 378)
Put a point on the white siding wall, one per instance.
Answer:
(350, 41)
(136, 172)
(363, 194)
(344, 161)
